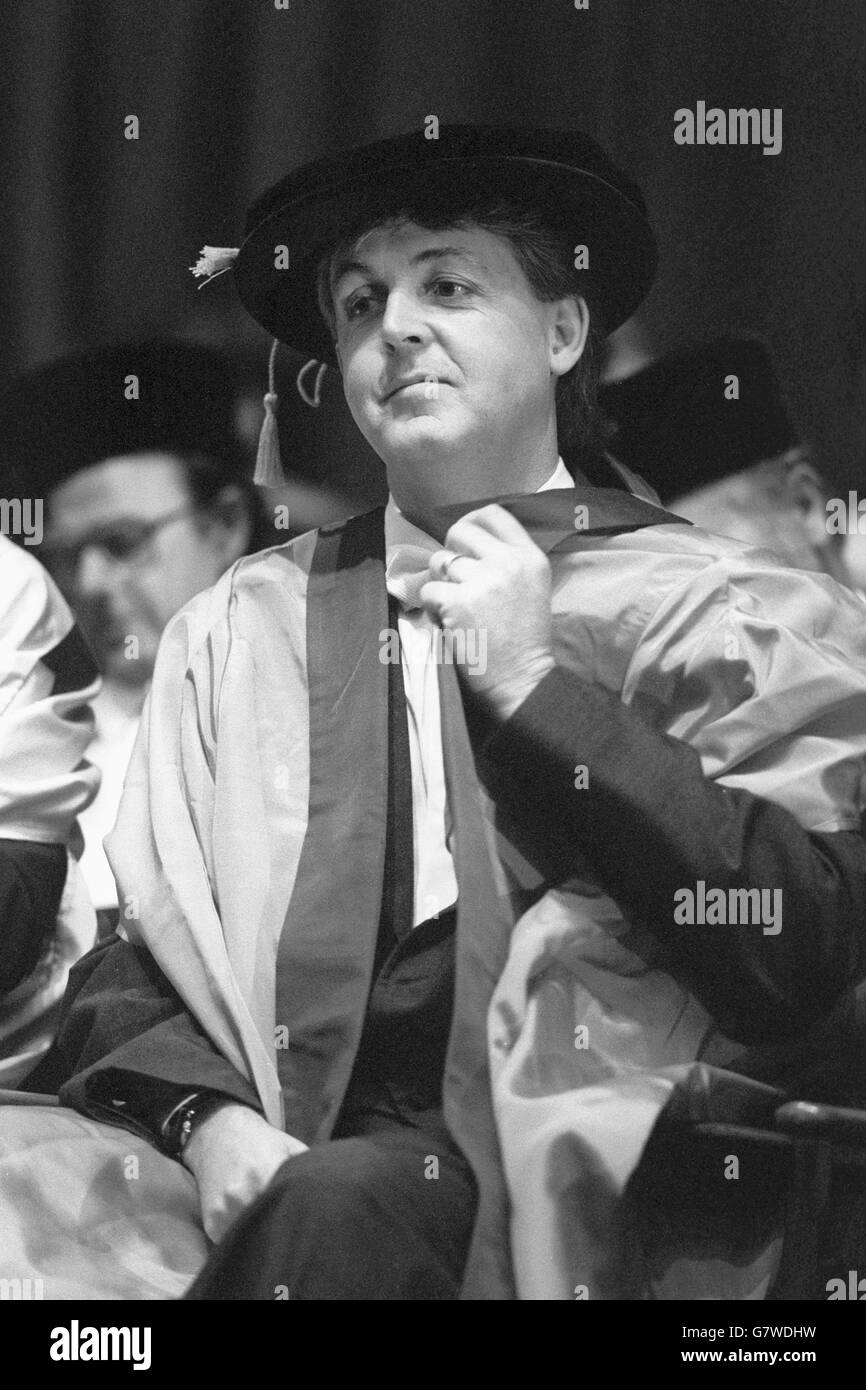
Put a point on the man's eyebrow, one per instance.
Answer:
(430, 253)
(434, 253)
(345, 268)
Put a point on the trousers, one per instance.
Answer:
(384, 1209)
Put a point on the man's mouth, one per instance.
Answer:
(426, 379)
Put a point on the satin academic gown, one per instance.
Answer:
(759, 670)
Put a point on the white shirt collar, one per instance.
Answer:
(400, 531)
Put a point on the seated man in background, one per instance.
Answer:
(147, 481)
(709, 428)
(48, 680)
(406, 983)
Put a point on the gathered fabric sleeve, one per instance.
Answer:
(48, 679)
(735, 755)
(762, 670)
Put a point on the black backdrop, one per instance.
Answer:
(98, 231)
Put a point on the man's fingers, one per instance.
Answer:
(436, 596)
(450, 565)
(479, 533)
(476, 542)
(217, 1220)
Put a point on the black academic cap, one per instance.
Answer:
(684, 423)
(84, 407)
(563, 175)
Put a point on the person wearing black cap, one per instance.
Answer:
(410, 985)
(134, 448)
(709, 428)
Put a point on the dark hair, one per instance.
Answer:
(543, 249)
(206, 478)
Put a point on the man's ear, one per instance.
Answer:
(806, 492)
(569, 330)
(233, 530)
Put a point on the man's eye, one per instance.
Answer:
(120, 544)
(357, 306)
(449, 289)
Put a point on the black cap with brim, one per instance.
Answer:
(564, 176)
(83, 408)
(698, 415)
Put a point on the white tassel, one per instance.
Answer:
(214, 261)
(269, 468)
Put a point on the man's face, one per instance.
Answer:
(124, 601)
(450, 362)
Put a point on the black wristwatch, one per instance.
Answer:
(178, 1125)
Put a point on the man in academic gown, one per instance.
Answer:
(136, 448)
(133, 446)
(403, 985)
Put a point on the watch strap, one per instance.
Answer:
(177, 1127)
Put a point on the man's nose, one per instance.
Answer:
(95, 573)
(403, 320)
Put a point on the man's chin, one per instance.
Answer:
(421, 438)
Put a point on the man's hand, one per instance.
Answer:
(496, 591)
(233, 1154)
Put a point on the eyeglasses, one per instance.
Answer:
(122, 541)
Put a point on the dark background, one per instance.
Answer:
(98, 231)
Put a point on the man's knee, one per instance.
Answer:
(331, 1185)
(348, 1219)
